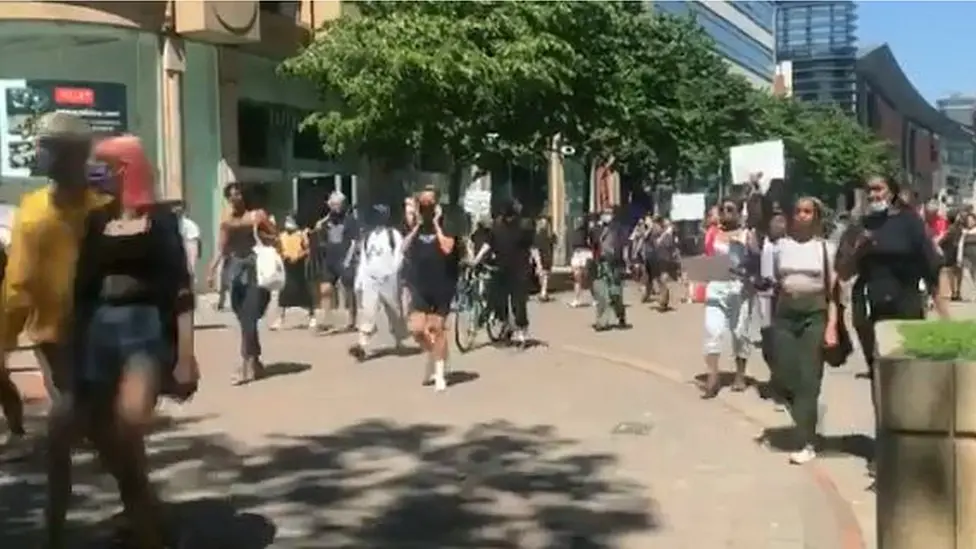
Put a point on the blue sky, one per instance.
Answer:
(932, 40)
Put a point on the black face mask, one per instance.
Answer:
(426, 212)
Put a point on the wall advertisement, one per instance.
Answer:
(101, 104)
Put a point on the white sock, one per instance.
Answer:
(363, 340)
(440, 381)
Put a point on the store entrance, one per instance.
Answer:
(311, 193)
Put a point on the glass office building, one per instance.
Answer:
(743, 33)
(820, 39)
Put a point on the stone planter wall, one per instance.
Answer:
(926, 450)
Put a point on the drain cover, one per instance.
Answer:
(633, 428)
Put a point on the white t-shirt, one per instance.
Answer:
(189, 229)
(378, 260)
(191, 242)
(800, 264)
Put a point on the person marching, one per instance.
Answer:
(607, 273)
(377, 281)
(297, 291)
(38, 285)
(432, 264)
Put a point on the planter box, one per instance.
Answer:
(926, 450)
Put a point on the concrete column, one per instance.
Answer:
(557, 201)
(926, 451)
(171, 114)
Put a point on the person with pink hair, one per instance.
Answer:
(132, 326)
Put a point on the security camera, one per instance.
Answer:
(567, 150)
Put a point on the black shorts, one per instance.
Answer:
(329, 272)
(430, 302)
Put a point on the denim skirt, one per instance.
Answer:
(121, 339)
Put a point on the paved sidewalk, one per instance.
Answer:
(669, 345)
(541, 448)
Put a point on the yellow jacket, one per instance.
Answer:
(39, 280)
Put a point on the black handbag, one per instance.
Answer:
(836, 355)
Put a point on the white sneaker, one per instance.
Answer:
(313, 323)
(440, 383)
(440, 377)
(574, 303)
(519, 337)
(805, 455)
(275, 326)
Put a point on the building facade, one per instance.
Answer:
(889, 104)
(194, 79)
(819, 41)
(959, 156)
(743, 33)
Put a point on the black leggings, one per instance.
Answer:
(511, 288)
(249, 302)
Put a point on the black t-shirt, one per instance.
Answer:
(511, 242)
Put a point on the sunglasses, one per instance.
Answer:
(730, 209)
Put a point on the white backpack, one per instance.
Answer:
(269, 268)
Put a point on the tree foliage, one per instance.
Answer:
(477, 81)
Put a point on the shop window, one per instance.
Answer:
(308, 146)
(253, 127)
(48, 67)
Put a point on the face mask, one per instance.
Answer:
(605, 218)
(427, 214)
(878, 206)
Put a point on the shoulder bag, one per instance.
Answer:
(269, 268)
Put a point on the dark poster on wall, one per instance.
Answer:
(101, 104)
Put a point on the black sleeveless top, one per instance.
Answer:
(143, 268)
(428, 268)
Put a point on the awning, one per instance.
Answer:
(878, 65)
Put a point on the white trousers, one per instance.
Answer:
(381, 297)
(726, 312)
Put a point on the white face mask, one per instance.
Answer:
(605, 218)
(877, 206)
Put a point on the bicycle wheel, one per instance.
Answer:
(466, 325)
(493, 327)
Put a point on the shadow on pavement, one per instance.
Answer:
(276, 369)
(854, 444)
(373, 484)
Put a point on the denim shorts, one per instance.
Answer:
(121, 338)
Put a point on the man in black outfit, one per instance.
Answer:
(511, 242)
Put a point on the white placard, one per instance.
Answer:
(766, 157)
(687, 206)
(477, 203)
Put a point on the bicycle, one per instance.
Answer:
(472, 310)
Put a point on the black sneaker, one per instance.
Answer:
(358, 352)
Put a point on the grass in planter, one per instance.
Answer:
(939, 339)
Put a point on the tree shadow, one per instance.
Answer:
(373, 484)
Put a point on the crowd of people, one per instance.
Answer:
(789, 275)
(99, 274)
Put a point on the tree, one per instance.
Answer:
(460, 79)
(827, 148)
